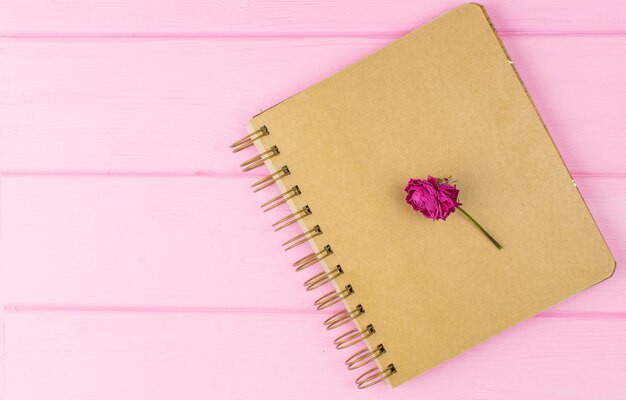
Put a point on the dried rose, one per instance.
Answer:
(434, 198)
(437, 198)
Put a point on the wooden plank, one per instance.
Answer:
(200, 356)
(185, 242)
(198, 243)
(175, 105)
(2, 327)
(149, 105)
(345, 17)
(2, 356)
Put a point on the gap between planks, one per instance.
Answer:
(268, 36)
(55, 308)
(209, 174)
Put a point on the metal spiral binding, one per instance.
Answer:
(333, 297)
(281, 199)
(322, 278)
(374, 375)
(302, 238)
(353, 337)
(365, 356)
(248, 141)
(260, 159)
(291, 218)
(340, 318)
(313, 258)
(271, 179)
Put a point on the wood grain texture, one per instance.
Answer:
(2, 324)
(134, 261)
(198, 356)
(291, 17)
(175, 105)
(178, 241)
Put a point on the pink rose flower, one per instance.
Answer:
(434, 198)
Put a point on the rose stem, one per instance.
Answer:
(480, 227)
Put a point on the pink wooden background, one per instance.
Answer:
(136, 263)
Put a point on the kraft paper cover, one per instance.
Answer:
(443, 100)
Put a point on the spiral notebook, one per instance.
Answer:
(410, 293)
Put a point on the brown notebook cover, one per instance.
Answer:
(443, 100)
